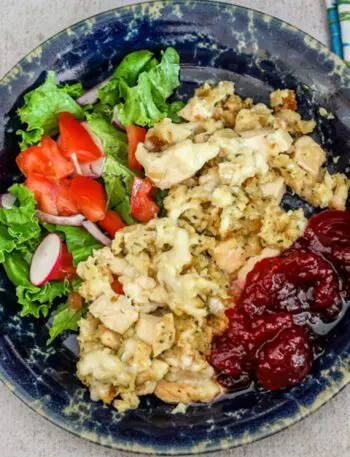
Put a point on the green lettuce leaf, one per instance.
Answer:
(41, 107)
(79, 242)
(74, 90)
(133, 64)
(64, 319)
(159, 199)
(173, 109)
(115, 143)
(118, 181)
(19, 228)
(117, 176)
(128, 71)
(109, 96)
(35, 301)
(140, 87)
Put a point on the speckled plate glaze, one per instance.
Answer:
(216, 41)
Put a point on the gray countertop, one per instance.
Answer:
(23, 25)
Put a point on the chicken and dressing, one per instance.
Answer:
(226, 168)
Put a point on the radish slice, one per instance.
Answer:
(46, 259)
(75, 220)
(96, 139)
(91, 95)
(115, 122)
(7, 200)
(76, 164)
(97, 233)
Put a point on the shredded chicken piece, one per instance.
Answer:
(175, 164)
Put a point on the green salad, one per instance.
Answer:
(81, 181)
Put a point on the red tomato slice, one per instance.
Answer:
(89, 197)
(65, 269)
(45, 159)
(143, 208)
(29, 160)
(65, 202)
(111, 223)
(45, 192)
(75, 139)
(136, 135)
(117, 287)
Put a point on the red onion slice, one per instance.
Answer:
(97, 167)
(115, 121)
(97, 233)
(75, 220)
(91, 95)
(76, 164)
(7, 200)
(93, 169)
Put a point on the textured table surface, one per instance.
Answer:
(23, 25)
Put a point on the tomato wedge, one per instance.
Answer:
(45, 192)
(45, 159)
(117, 287)
(111, 223)
(89, 197)
(65, 269)
(136, 135)
(75, 139)
(143, 208)
(65, 202)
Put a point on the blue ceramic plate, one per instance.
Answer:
(216, 41)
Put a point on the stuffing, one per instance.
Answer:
(279, 228)
(227, 111)
(259, 116)
(292, 122)
(102, 370)
(323, 191)
(227, 168)
(283, 99)
(177, 392)
(202, 105)
(129, 400)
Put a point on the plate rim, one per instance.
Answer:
(336, 385)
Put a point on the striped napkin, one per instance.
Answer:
(343, 11)
(334, 27)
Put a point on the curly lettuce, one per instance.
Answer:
(19, 228)
(41, 107)
(118, 181)
(35, 301)
(117, 177)
(140, 87)
(115, 142)
(64, 319)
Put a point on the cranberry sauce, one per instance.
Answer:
(286, 304)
